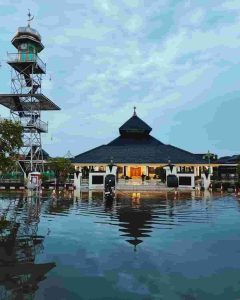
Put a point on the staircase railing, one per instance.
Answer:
(26, 57)
(38, 124)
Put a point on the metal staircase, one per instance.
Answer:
(26, 102)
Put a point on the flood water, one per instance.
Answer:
(156, 247)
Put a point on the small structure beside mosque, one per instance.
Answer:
(138, 155)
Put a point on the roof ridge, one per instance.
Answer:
(157, 140)
(89, 150)
(180, 149)
(148, 139)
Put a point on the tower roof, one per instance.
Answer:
(27, 33)
(135, 125)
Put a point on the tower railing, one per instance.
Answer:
(23, 57)
(35, 124)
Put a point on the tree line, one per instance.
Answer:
(10, 143)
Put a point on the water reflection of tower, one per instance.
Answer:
(19, 245)
(60, 205)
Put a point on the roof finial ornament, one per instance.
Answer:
(134, 110)
(30, 17)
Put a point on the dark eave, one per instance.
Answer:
(137, 154)
(140, 140)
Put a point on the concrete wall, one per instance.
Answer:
(180, 175)
(93, 176)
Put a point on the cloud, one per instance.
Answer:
(133, 3)
(192, 17)
(61, 39)
(107, 7)
(104, 57)
(135, 23)
(190, 77)
(231, 5)
(88, 30)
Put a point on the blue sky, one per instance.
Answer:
(177, 61)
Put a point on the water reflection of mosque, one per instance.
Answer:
(139, 216)
(135, 224)
(19, 245)
(136, 217)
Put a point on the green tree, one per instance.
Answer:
(62, 167)
(10, 143)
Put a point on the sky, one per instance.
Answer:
(176, 60)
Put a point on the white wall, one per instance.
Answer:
(174, 172)
(187, 175)
(96, 186)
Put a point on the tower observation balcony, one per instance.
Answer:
(18, 103)
(27, 62)
(29, 124)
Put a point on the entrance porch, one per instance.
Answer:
(136, 171)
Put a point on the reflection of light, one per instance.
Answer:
(136, 199)
(136, 195)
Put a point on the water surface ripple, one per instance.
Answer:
(80, 246)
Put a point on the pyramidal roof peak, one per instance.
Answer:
(135, 125)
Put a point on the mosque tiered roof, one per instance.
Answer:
(135, 145)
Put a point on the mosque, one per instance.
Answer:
(136, 152)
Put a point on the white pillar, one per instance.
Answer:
(77, 179)
(169, 171)
(206, 180)
(195, 171)
(77, 194)
(90, 197)
(111, 170)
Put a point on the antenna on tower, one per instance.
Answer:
(30, 17)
